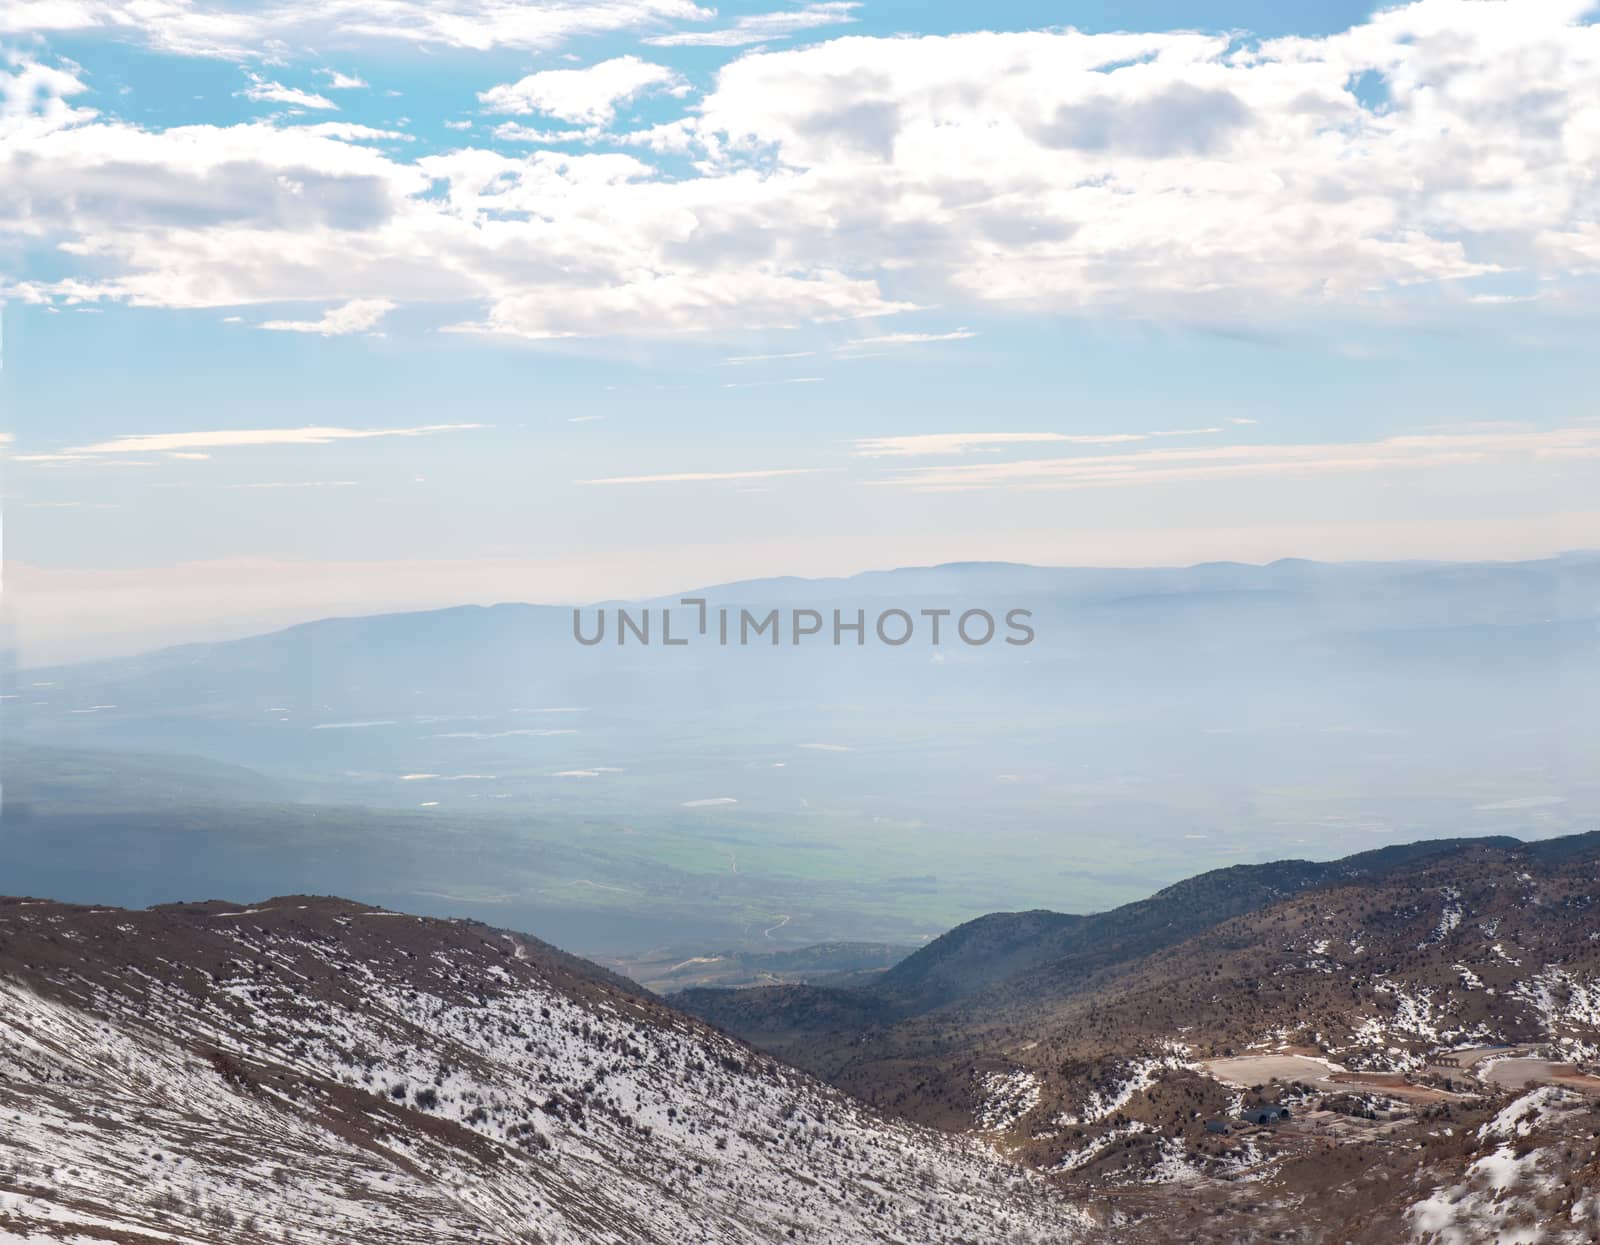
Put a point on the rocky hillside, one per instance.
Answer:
(1399, 1047)
(312, 1070)
(1395, 1007)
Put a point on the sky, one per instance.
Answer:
(378, 304)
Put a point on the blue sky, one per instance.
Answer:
(393, 304)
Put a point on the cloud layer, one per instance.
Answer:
(1418, 159)
(188, 28)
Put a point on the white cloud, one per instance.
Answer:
(512, 132)
(910, 339)
(239, 438)
(350, 132)
(357, 316)
(587, 97)
(691, 477)
(1178, 177)
(82, 458)
(932, 444)
(196, 29)
(343, 81)
(34, 97)
(738, 360)
(262, 91)
(171, 25)
(761, 27)
(1431, 451)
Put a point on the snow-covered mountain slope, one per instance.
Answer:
(317, 1071)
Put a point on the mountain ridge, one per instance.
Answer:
(1043, 577)
(309, 1069)
(1027, 939)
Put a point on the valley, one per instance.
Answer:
(1398, 1046)
(625, 800)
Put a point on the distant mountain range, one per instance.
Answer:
(756, 799)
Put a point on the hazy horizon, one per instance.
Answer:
(70, 648)
(392, 314)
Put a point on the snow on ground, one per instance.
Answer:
(448, 1100)
(1134, 1078)
(1006, 1098)
(1511, 1195)
(1527, 1112)
(1563, 1001)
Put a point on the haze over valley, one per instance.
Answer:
(479, 761)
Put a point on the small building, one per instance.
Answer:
(1218, 1126)
(1266, 1113)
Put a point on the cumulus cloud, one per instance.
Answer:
(583, 96)
(359, 315)
(34, 97)
(343, 81)
(1172, 176)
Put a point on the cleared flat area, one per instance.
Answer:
(1467, 1059)
(1517, 1073)
(1487, 1064)
(1247, 1070)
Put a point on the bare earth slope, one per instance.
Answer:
(313, 1070)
